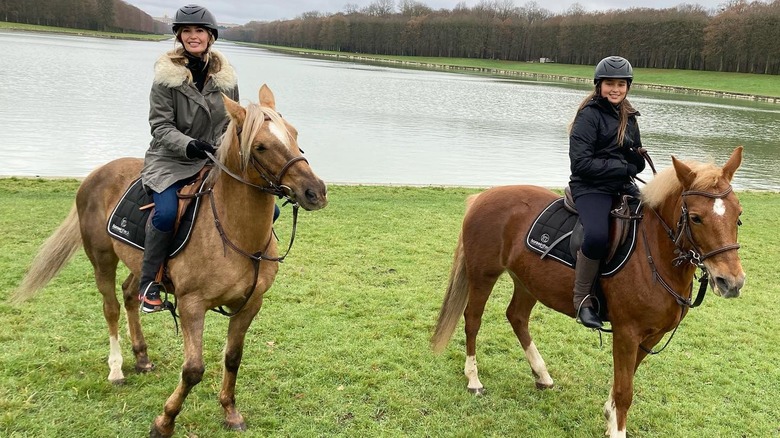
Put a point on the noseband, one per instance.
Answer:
(693, 256)
(275, 188)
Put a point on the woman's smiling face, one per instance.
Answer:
(614, 90)
(195, 39)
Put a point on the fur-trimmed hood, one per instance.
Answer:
(173, 74)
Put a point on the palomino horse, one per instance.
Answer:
(690, 221)
(258, 159)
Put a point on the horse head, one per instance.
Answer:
(710, 221)
(263, 147)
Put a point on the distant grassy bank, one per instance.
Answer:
(734, 85)
(4, 25)
(745, 86)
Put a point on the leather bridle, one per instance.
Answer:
(693, 256)
(275, 188)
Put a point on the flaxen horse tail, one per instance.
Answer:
(52, 256)
(456, 298)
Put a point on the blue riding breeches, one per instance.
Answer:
(594, 214)
(166, 205)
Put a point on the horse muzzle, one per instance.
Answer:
(311, 197)
(727, 286)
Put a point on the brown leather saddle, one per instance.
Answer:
(619, 222)
(128, 220)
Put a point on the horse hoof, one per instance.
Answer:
(145, 368)
(540, 385)
(154, 433)
(236, 427)
(477, 391)
(118, 382)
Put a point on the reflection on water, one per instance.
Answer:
(71, 104)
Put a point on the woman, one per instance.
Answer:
(603, 152)
(187, 118)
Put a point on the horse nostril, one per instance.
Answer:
(311, 195)
(727, 288)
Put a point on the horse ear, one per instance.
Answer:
(267, 97)
(236, 111)
(684, 173)
(733, 163)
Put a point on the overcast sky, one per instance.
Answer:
(244, 11)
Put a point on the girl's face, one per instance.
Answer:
(614, 90)
(195, 39)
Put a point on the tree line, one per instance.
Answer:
(741, 36)
(101, 15)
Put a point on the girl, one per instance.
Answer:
(604, 159)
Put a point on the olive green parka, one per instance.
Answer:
(179, 113)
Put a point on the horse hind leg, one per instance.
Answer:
(518, 313)
(480, 287)
(105, 278)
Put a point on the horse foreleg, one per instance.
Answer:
(192, 319)
(130, 294)
(518, 313)
(234, 351)
(624, 357)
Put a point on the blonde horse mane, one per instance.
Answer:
(256, 116)
(666, 184)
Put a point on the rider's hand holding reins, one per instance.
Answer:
(198, 149)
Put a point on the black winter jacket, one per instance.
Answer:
(598, 163)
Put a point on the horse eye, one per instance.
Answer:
(695, 219)
(260, 148)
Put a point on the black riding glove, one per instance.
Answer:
(631, 169)
(634, 157)
(198, 149)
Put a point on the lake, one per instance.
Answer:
(70, 104)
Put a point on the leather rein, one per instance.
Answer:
(693, 256)
(275, 188)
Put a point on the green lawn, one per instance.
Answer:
(742, 83)
(4, 25)
(341, 345)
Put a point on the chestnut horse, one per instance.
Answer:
(258, 159)
(690, 210)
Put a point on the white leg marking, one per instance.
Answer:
(470, 370)
(538, 366)
(611, 416)
(115, 360)
(719, 207)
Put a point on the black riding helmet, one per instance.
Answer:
(613, 67)
(194, 15)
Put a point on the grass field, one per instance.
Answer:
(340, 347)
(4, 25)
(740, 83)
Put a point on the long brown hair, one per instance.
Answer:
(625, 110)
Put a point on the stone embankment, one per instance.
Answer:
(537, 76)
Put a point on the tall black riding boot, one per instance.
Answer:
(586, 272)
(156, 246)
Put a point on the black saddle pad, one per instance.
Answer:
(550, 236)
(127, 222)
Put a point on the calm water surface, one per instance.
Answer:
(70, 104)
